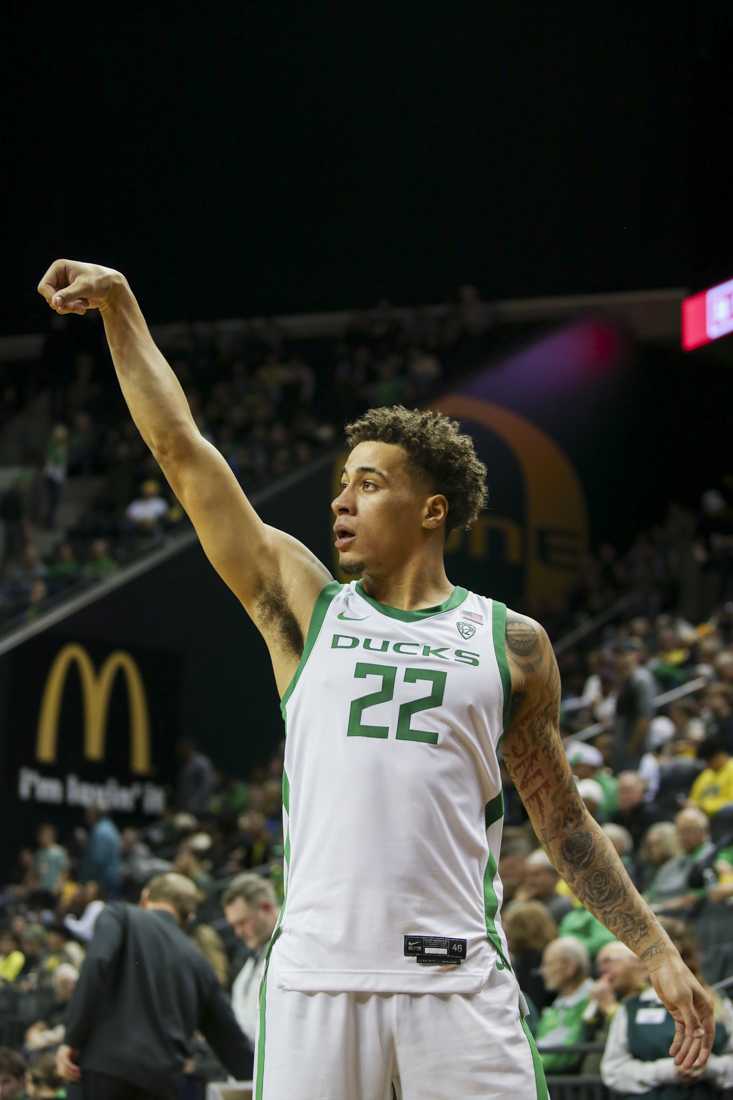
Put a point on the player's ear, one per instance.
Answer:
(436, 511)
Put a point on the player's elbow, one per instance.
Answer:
(174, 446)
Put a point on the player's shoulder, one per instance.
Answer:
(524, 635)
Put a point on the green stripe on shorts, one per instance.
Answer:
(539, 1069)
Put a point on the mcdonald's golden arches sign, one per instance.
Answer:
(96, 688)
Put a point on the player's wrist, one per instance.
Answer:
(118, 294)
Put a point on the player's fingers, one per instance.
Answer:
(77, 290)
(53, 277)
(80, 306)
(688, 1053)
(679, 1035)
(708, 1025)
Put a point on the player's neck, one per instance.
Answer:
(416, 584)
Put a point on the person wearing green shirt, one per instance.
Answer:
(101, 563)
(584, 927)
(565, 969)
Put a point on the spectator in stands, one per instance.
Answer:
(148, 511)
(50, 860)
(12, 958)
(138, 863)
(660, 844)
(620, 974)
(251, 908)
(60, 948)
(24, 573)
(196, 779)
(565, 969)
(713, 788)
(586, 762)
(49, 1032)
(36, 599)
(12, 1075)
(13, 518)
(591, 791)
(189, 862)
(43, 1081)
(255, 845)
(515, 847)
(64, 568)
(634, 812)
(670, 888)
(89, 904)
(100, 563)
(54, 473)
(623, 843)
(634, 705)
(636, 1060)
(211, 946)
(34, 944)
(540, 883)
(82, 444)
(529, 928)
(100, 860)
(661, 731)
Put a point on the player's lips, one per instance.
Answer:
(344, 536)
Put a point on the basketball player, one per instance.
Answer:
(388, 965)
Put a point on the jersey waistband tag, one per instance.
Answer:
(436, 950)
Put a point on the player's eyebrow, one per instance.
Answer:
(366, 470)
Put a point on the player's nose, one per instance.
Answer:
(343, 504)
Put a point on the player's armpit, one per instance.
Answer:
(273, 575)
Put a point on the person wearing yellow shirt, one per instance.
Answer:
(713, 788)
(12, 959)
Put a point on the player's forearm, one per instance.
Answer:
(589, 863)
(153, 393)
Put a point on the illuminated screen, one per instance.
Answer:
(707, 316)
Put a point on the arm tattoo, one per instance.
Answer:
(537, 763)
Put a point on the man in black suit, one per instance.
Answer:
(144, 989)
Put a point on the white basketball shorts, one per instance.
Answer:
(428, 1046)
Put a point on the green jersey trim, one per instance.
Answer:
(323, 602)
(262, 998)
(498, 625)
(456, 598)
(493, 813)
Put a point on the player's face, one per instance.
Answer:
(379, 511)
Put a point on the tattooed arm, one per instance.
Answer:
(537, 763)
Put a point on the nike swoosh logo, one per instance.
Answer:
(350, 618)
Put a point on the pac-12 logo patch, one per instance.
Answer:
(466, 630)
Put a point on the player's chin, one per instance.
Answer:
(353, 567)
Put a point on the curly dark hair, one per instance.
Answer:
(437, 448)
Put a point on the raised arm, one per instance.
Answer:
(274, 576)
(578, 847)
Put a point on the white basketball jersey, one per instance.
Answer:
(391, 777)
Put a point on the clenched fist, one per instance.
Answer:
(70, 286)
